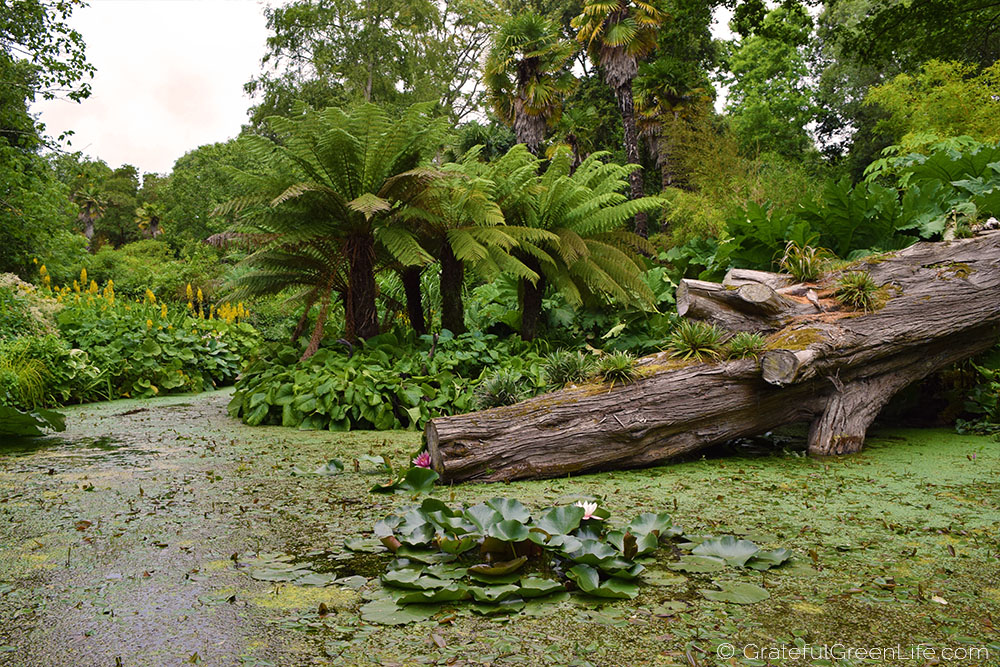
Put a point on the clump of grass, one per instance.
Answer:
(857, 290)
(745, 345)
(697, 340)
(502, 387)
(804, 262)
(618, 367)
(565, 366)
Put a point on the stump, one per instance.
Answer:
(824, 364)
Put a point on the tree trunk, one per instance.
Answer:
(452, 283)
(826, 365)
(626, 104)
(317, 334)
(360, 311)
(414, 302)
(300, 328)
(530, 295)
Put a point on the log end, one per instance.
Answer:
(781, 367)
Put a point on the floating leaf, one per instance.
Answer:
(279, 574)
(698, 564)
(447, 571)
(510, 509)
(412, 579)
(452, 593)
(496, 569)
(560, 520)
(509, 531)
(416, 480)
(593, 552)
(733, 551)
(543, 606)
(536, 587)
(425, 555)
(661, 578)
(493, 594)
(657, 524)
(316, 579)
(738, 593)
(483, 517)
(385, 611)
(765, 560)
(668, 608)
(331, 467)
(457, 546)
(364, 545)
(505, 607)
(589, 581)
(495, 579)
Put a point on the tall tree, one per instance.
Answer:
(332, 186)
(527, 77)
(617, 34)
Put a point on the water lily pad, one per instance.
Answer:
(735, 552)
(451, 593)
(447, 571)
(416, 480)
(588, 580)
(428, 556)
(492, 579)
(698, 564)
(316, 579)
(385, 611)
(505, 607)
(493, 594)
(536, 587)
(386, 527)
(668, 608)
(494, 569)
(510, 530)
(457, 546)
(765, 560)
(593, 552)
(543, 606)
(661, 578)
(331, 467)
(412, 579)
(278, 573)
(735, 592)
(365, 545)
(647, 522)
(483, 517)
(510, 509)
(560, 520)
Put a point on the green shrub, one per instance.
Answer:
(693, 339)
(501, 387)
(24, 311)
(804, 262)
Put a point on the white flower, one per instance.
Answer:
(588, 510)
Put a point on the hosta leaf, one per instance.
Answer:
(733, 551)
(738, 593)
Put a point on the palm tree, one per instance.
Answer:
(148, 217)
(589, 256)
(92, 206)
(618, 33)
(527, 77)
(329, 191)
(667, 91)
(460, 220)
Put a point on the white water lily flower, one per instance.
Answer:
(588, 510)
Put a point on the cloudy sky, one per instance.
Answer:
(170, 77)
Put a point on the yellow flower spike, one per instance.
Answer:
(190, 294)
(163, 310)
(93, 289)
(83, 276)
(149, 323)
(76, 286)
(190, 306)
(42, 271)
(200, 297)
(35, 260)
(47, 281)
(150, 297)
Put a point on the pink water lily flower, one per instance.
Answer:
(588, 510)
(423, 460)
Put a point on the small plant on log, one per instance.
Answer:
(857, 290)
(804, 262)
(693, 339)
(617, 368)
(502, 387)
(746, 345)
(564, 366)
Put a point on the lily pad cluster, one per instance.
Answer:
(500, 557)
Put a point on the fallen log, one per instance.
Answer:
(828, 366)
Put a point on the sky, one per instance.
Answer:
(170, 77)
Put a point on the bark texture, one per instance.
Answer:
(825, 365)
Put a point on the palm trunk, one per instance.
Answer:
(626, 104)
(360, 311)
(452, 279)
(414, 303)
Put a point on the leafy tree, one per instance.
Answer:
(770, 103)
(391, 52)
(947, 99)
(324, 203)
(527, 77)
(617, 34)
